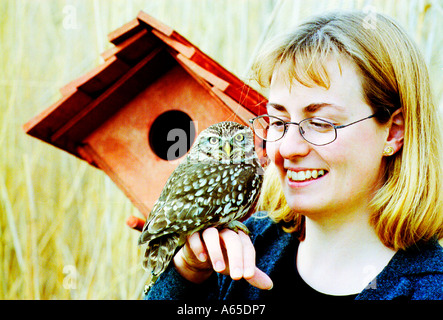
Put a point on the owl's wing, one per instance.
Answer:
(177, 199)
(197, 196)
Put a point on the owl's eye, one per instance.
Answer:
(239, 137)
(213, 140)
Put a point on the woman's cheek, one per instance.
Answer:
(272, 151)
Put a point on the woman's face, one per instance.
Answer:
(352, 164)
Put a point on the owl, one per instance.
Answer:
(214, 186)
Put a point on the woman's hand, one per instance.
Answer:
(224, 251)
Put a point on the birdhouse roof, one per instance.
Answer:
(144, 49)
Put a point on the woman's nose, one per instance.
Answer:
(292, 144)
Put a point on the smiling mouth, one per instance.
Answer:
(305, 175)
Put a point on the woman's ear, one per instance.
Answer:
(396, 126)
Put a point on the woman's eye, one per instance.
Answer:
(320, 125)
(277, 124)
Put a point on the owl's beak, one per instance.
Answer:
(227, 148)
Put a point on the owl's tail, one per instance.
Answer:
(160, 252)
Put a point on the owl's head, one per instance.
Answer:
(225, 142)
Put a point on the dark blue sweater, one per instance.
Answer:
(413, 274)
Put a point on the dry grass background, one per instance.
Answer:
(62, 230)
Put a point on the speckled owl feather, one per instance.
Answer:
(215, 185)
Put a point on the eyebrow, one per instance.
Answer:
(276, 106)
(311, 108)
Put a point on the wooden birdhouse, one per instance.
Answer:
(143, 107)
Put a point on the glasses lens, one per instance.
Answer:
(269, 128)
(259, 126)
(317, 131)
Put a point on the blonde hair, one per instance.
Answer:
(408, 207)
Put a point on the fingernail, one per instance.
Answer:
(248, 273)
(236, 273)
(202, 257)
(219, 266)
(272, 286)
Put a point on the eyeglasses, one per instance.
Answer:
(316, 131)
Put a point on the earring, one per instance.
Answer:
(389, 151)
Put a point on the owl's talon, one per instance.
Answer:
(237, 225)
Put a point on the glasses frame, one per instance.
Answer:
(287, 123)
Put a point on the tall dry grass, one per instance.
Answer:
(62, 230)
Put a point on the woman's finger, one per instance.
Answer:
(197, 247)
(239, 251)
(248, 255)
(261, 280)
(234, 250)
(211, 238)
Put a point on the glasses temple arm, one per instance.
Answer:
(349, 124)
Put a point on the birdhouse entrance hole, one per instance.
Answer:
(171, 135)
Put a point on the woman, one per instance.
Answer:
(351, 206)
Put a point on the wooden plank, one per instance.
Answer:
(253, 101)
(248, 98)
(209, 88)
(154, 23)
(212, 66)
(98, 79)
(237, 89)
(125, 89)
(187, 51)
(82, 151)
(243, 94)
(164, 29)
(133, 49)
(43, 125)
(135, 223)
(124, 32)
(236, 108)
(208, 76)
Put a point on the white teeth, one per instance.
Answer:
(314, 174)
(305, 175)
(301, 176)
